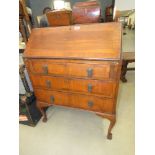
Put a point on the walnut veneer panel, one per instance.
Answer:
(52, 97)
(92, 41)
(47, 67)
(86, 102)
(98, 70)
(107, 89)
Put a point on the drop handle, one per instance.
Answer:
(48, 83)
(90, 87)
(45, 69)
(89, 72)
(90, 104)
(52, 99)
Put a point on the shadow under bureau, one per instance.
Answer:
(76, 66)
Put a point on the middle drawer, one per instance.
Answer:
(77, 85)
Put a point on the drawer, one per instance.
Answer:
(105, 88)
(86, 102)
(98, 71)
(49, 82)
(47, 67)
(52, 97)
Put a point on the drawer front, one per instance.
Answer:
(105, 88)
(98, 70)
(75, 100)
(52, 97)
(47, 67)
(89, 70)
(49, 82)
(92, 103)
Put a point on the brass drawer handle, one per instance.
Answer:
(90, 104)
(45, 69)
(90, 88)
(48, 83)
(52, 99)
(89, 72)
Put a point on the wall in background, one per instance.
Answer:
(122, 5)
(37, 6)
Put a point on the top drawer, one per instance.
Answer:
(98, 70)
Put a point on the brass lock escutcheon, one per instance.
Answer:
(45, 69)
(90, 87)
(89, 72)
(90, 104)
(48, 83)
(52, 99)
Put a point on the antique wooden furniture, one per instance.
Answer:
(28, 111)
(86, 12)
(59, 17)
(25, 25)
(109, 14)
(76, 66)
(128, 57)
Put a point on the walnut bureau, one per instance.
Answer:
(76, 66)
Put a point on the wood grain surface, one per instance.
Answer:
(92, 41)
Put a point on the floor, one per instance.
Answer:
(76, 132)
(128, 41)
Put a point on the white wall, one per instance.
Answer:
(132, 17)
(124, 4)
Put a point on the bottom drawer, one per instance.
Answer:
(86, 102)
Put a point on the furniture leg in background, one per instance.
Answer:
(128, 57)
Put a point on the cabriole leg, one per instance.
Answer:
(112, 119)
(43, 114)
(112, 123)
(41, 109)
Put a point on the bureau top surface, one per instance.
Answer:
(91, 41)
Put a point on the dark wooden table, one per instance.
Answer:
(128, 57)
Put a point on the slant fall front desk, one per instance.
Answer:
(76, 66)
